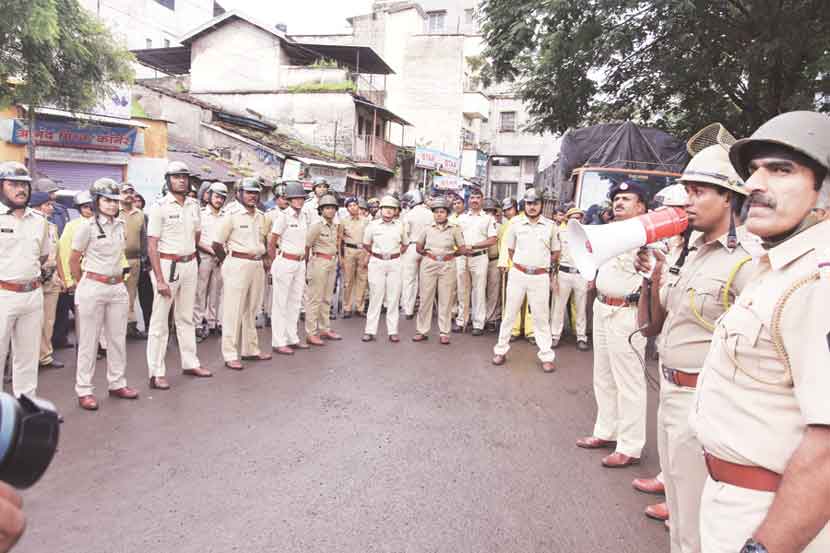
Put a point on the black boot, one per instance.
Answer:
(134, 333)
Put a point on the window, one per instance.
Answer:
(169, 4)
(505, 161)
(508, 121)
(149, 43)
(167, 43)
(435, 21)
(504, 189)
(469, 17)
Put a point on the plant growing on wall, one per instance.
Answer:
(54, 52)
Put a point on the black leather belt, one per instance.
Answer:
(569, 270)
(353, 246)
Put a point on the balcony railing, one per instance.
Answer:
(376, 150)
(369, 90)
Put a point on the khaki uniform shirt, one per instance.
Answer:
(441, 239)
(385, 238)
(103, 253)
(617, 277)
(134, 222)
(353, 229)
(416, 220)
(291, 227)
(209, 221)
(565, 257)
(477, 228)
(243, 232)
(175, 225)
(753, 402)
(532, 243)
(697, 293)
(23, 241)
(322, 237)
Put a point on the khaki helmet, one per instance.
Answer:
(177, 168)
(279, 190)
(531, 195)
(105, 188)
(413, 198)
(251, 184)
(440, 203)
(14, 171)
(575, 211)
(45, 184)
(675, 195)
(805, 132)
(374, 200)
(82, 198)
(219, 188)
(490, 204)
(508, 203)
(320, 182)
(327, 200)
(294, 189)
(390, 201)
(711, 165)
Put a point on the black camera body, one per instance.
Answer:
(29, 431)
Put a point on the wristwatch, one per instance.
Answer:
(752, 546)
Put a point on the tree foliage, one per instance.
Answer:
(676, 64)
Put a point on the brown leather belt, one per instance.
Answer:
(248, 256)
(680, 378)
(21, 286)
(493, 258)
(353, 246)
(528, 270)
(326, 256)
(386, 256)
(476, 253)
(104, 279)
(569, 270)
(742, 476)
(178, 258)
(444, 257)
(292, 257)
(627, 301)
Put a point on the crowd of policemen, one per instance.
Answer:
(736, 305)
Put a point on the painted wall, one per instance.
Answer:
(155, 138)
(186, 117)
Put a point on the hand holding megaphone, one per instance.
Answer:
(593, 245)
(650, 260)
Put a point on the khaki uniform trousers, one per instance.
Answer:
(570, 283)
(684, 470)
(537, 289)
(132, 287)
(410, 262)
(322, 274)
(619, 382)
(208, 292)
(21, 324)
(183, 294)
(472, 290)
(384, 288)
(729, 515)
(51, 293)
(355, 279)
(288, 278)
(493, 294)
(436, 276)
(244, 281)
(102, 311)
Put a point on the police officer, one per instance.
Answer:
(322, 245)
(288, 233)
(438, 244)
(570, 282)
(480, 234)
(761, 410)
(533, 245)
(385, 240)
(353, 258)
(24, 243)
(700, 286)
(320, 187)
(619, 381)
(524, 322)
(416, 219)
(209, 287)
(493, 293)
(374, 208)
(172, 234)
(101, 296)
(51, 276)
(134, 227)
(239, 247)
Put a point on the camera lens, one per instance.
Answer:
(29, 429)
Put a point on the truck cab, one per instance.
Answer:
(591, 184)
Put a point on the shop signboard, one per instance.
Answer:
(72, 135)
(426, 158)
(447, 182)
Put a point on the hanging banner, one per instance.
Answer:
(448, 182)
(71, 135)
(426, 158)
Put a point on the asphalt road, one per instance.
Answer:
(348, 448)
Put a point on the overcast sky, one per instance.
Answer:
(303, 16)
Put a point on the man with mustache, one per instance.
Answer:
(685, 301)
(24, 243)
(761, 410)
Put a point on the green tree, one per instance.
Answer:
(676, 64)
(54, 52)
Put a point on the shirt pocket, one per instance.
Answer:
(750, 348)
(705, 297)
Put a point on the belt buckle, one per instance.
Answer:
(670, 374)
(28, 287)
(531, 268)
(386, 256)
(441, 258)
(112, 280)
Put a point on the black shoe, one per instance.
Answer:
(514, 338)
(457, 329)
(478, 332)
(134, 333)
(531, 340)
(347, 314)
(202, 333)
(54, 364)
(554, 343)
(582, 345)
(410, 317)
(63, 345)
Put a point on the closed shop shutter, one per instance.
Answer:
(78, 176)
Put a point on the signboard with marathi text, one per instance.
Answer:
(71, 135)
(426, 158)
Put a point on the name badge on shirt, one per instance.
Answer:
(7, 230)
(173, 216)
(243, 226)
